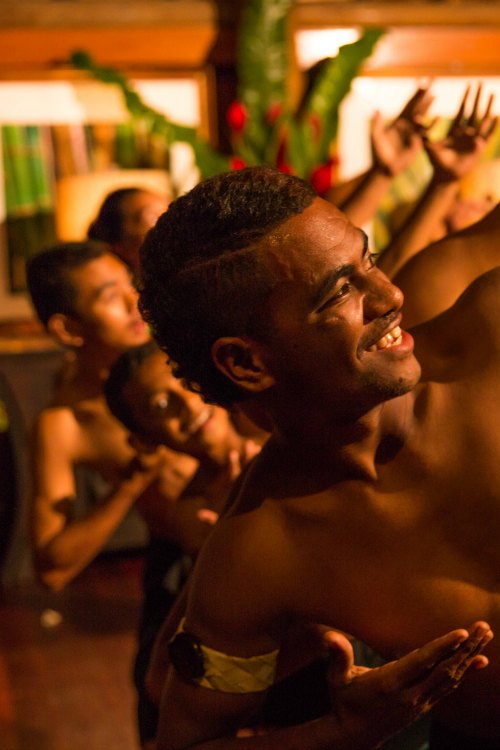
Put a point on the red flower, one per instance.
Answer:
(273, 112)
(236, 163)
(236, 116)
(281, 162)
(315, 124)
(322, 178)
(280, 155)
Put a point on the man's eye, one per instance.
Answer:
(110, 298)
(161, 404)
(344, 289)
(339, 294)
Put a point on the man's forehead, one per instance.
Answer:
(321, 229)
(96, 271)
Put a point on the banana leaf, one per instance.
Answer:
(208, 161)
(332, 85)
(262, 69)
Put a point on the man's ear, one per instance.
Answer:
(242, 362)
(65, 329)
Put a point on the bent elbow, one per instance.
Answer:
(50, 578)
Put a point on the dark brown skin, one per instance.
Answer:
(374, 508)
(434, 279)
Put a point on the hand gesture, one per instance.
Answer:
(459, 151)
(370, 705)
(394, 146)
(143, 469)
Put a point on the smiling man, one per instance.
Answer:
(143, 395)
(373, 508)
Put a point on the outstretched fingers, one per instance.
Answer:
(417, 106)
(457, 123)
(474, 123)
(447, 672)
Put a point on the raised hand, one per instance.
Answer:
(456, 154)
(395, 145)
(372, 704)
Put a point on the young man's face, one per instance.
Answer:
(140, 211)
(170, 414)
(335, 317)
(106, 304)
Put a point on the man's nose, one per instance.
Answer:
(190, 407)
(132, 298)
(381, 297)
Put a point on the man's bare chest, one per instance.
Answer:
(414, 554)
(103, 443)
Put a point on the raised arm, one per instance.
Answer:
(452, 158)
(394, 147)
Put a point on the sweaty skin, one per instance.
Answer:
(435, 278)
(374, 507)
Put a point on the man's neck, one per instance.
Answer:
(351, 448)
(89, 368)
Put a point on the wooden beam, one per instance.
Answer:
(40, 13)
(160, 48)
(437, 51)
(320, 13)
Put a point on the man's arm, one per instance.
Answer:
(452, 158)
(63, 546)
(394, 147)
(228, 487)
(369, 706)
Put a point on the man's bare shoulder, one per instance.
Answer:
(56, 426)
(467, 332)
(480, 298)
(85, 433)
(243, 575)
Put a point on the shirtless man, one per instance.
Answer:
(152, 404)
(85, 298)
(373, 508)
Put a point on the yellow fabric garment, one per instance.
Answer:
(236, 674)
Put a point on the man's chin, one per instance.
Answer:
(392, 387)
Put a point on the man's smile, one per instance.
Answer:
(394, 337)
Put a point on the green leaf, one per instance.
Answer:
(208, 161)
(333, 83)
(262, 67)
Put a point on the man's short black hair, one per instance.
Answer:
(201, 277)
(48, 276)
(122, 372)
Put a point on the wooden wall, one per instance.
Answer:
(427, 36)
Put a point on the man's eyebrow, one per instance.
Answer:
(337, 273)
(98, 291)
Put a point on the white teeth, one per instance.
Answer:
(392, 338)
(200, 421)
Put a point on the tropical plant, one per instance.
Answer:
(265, 126)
